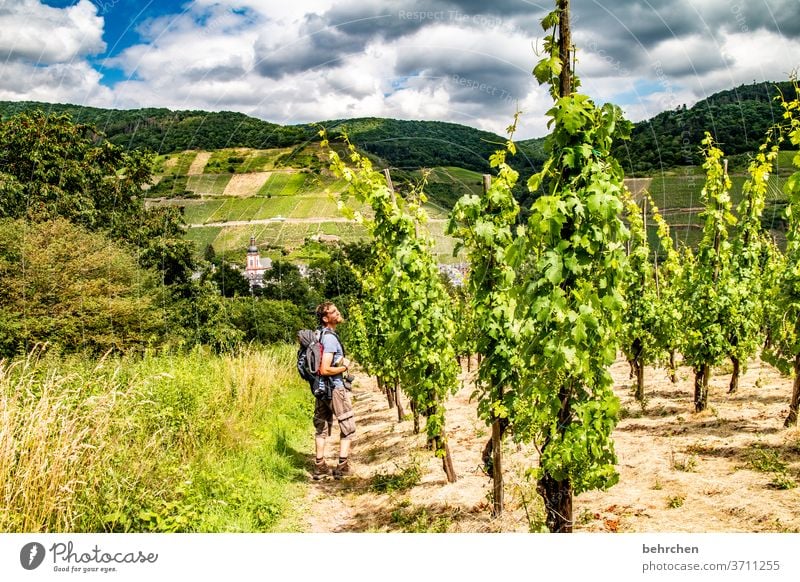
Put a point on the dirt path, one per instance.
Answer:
(717, 471)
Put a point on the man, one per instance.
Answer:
(332, 369)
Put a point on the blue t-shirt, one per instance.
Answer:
(331, 345)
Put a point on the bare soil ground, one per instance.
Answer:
(199, 162)
(722, 470)
(244, 185)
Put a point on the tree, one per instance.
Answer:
(230, 281)
(283, 282)
(51, 167)
(73, 289)
(267, 321)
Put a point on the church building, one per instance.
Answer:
(254, 271)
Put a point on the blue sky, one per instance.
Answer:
(467, 61)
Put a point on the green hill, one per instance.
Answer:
(737, 118)
(401, 144)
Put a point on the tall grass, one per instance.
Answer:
(193, 442)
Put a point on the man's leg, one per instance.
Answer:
(323, 421)
(343, 410)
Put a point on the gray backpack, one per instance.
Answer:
(309, 358)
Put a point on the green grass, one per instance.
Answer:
(208, 184)
(786, 164)
(169, 186)
(226, 161)
(201, 237)
(193, 442)
(402, 480)
(303, 206)
(684, 191)
(290, 236)
(228, 209)
(180, 167)
(284, 184)
(262, 160)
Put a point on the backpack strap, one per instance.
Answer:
(333, 333)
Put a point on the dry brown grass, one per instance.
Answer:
(47, 445)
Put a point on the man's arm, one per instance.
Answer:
(327, 369)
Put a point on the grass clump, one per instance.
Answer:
(161, 443)
(420, 520)
(403, 480)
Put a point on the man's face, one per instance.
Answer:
(332, 316)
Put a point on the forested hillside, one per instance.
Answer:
(736, 118)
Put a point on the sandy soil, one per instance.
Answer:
(245, 184)
(198, 163)
(714, 471)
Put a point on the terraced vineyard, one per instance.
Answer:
(678, 199)
(287, 195)
(283, 197)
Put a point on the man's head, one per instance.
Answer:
(328, 315)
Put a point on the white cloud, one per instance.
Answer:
(58, 83)
(291, 62)
(44, 49)
(33, 32)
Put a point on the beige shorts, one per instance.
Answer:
(340, 406)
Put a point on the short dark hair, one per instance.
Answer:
(322, 310)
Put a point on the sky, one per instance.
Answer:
(465, 61)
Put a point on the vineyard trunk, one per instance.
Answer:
(638, 368)
(557, 497)
(701, 388)
(396, 395)
(673, 370)
(497, 467)
(639, 381)
(734, 386)
(447, 460)
(791, 419)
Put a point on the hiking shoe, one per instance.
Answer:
(321, 471)
(343, 470)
